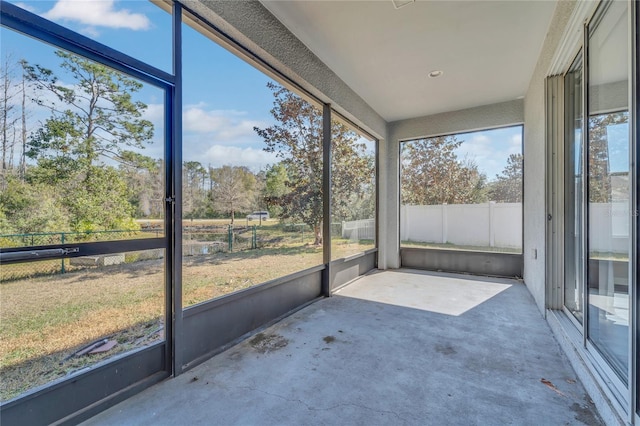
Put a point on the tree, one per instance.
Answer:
(96, 117)
(93, 118)
(233, 189)
(432, 174)
(101, 201)
(296, 139)
(145, 180)
(352, 175)
(32, 208)
(23, 117)
(275, 188)
(194, 196)
(600, 187)
(9, 89)
(507, 188)
(13, 135)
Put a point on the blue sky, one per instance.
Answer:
(224, 97)
(618, 137)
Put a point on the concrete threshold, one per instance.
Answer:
(401, 347)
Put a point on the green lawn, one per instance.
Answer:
(449, 246)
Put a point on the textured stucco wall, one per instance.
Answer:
(483, 117)
(387, 239)
(535, 158)
(478, 118)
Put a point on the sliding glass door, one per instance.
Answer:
(599, 239)
(608, 186)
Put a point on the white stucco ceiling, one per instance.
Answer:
(486, 49)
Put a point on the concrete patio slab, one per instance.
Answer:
(396, 347)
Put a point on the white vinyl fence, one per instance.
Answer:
(493, 225)
(500, 225)
(485, 225)
(357, 230)
(609, 227)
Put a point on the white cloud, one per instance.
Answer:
(206, 132)
(481, 139)
(223, 125)
(490, 152)
(26, 7)
(154, 113)
(253, 158)
(90, 32)
(92, 13)
(200, 121)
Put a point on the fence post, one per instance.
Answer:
(230, 238)
(254, 242)
(403, 222)
(492, 231)
(444, 223)
(62, 260)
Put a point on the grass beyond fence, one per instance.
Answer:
(197, 240)
(450, 246)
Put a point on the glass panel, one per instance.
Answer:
(82, 161)
(137, 28)
(353, 191)
(608, 186)
(463, 192)
(54, 324)
(82, 149)
(252, 174)
(574, 190)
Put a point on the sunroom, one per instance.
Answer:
(180, 177)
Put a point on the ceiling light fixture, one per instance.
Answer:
(435, 74)
(401, 3)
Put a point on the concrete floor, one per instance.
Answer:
(393, 348)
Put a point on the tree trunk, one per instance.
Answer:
(23, 134)
(317, 230)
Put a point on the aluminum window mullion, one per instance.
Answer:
(326, 199)
(174, 188)
(585, 182)
(85, 249)
(634, 116)
(44, 30)
(377, 203)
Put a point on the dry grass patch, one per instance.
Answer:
(205, 277)
(44, 320)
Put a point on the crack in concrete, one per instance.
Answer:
(311, 408)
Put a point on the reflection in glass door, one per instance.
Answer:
(609, 187)
(574, 193)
